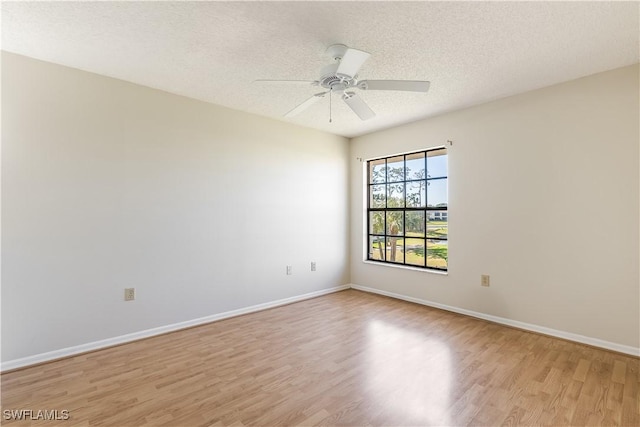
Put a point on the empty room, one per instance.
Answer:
(320, 213)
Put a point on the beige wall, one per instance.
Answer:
(543, 197)
(107, 185)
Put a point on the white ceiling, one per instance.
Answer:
(472, 52)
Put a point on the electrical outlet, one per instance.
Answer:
(484, 280)
(289, 270)
(313, 266)
(129, 294)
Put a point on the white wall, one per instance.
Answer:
(543, 196)
(107, 185)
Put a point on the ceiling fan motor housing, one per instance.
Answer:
(330, 80)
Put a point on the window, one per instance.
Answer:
(407, 218)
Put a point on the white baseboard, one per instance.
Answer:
(634, 351)
(109, 342)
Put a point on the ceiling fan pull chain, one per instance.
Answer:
(330, 93)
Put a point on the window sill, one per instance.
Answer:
(406, 267)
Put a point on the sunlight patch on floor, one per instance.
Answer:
(408, 373)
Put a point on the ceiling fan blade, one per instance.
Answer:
(306, 104)
(309, 82)
(406, 85)
(358, 106)
(351, 62)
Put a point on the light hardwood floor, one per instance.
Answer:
(348, 358)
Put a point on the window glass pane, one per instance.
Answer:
(395, 169)
(414, 224)
(415, 194)
(395, 249)
(377, 171)
(437, 224)
(376, 223)
(378, 196)
(414, 252)
(395, 195)
(402, 227)
(437, 163)
(415, 166)
(395, 223)
(376, 248)
(437, 254)
(437, 192)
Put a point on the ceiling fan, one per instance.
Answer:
(342, 77)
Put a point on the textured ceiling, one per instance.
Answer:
(472, 52)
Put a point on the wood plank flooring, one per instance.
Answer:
(349, 358)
